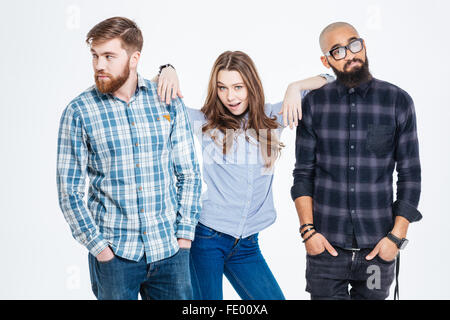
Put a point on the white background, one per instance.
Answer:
(44, 63)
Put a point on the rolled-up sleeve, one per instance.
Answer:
(408, 161)
(187, 172)
(305, 149)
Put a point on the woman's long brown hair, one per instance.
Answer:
(220, 118)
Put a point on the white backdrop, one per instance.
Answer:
(45, 63)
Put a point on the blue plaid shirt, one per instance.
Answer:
(144, 178)
(348, 144)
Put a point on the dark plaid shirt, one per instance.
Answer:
(348, 144)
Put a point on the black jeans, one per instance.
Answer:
(328, 277)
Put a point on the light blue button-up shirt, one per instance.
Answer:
(238, 200)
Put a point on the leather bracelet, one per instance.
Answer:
(306, 231)
(305, 225)
(309, 236)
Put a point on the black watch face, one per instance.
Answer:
(403, 244)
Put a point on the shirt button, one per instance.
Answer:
(353, 211)
(136, 144)
(133, 124)
(140, 188)
(353, 105)
(138, 165)
(352, 146)
(352, 189)
(352, 168)
(145, 232)
(351, 90)
(142, 210)
(353, 125)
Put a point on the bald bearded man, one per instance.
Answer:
(353, 133)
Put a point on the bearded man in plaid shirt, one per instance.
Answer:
(353, 133)
(144, 179)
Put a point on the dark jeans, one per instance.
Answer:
(122, 279)
(215, 254)
(328, 277)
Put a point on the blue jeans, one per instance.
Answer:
(122, 279)
(214, 254)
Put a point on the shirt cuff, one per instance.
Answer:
(185, 231)
(97, 245)
(327, 77)
(404, 209)
(301, 189)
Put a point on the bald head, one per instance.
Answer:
(324, 35)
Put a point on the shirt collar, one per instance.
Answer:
(362, 89)
(141, 82)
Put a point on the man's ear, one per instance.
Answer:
(134, 59)
(325, 62)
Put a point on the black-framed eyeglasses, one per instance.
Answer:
(340, 53)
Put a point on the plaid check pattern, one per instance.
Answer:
(347, 146)
(144, 178)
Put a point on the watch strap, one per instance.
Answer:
(398, 241)
(165, 66)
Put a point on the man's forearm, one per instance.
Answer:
(304, 206)
(81, 222)
(400, 228)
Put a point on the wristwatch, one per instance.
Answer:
(401, 243)
(165, 66)
(327, 77)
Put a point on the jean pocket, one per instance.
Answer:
(106, 269)
(204, 232)
(103, 263)
(381, 260)
(316, 255)
(380, 139)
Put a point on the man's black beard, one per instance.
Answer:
(353, 78)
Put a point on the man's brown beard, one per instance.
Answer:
(113, 83)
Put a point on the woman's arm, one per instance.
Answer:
(169, 88)
(292, 103)
(168, 85)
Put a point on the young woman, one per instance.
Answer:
(239, 134)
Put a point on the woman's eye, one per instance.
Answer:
(109, 57)
(238, 87)
(222, 88)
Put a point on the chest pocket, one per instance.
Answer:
(380, 139)
(160, 130)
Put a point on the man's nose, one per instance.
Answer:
(100, 64)
(350, 55)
